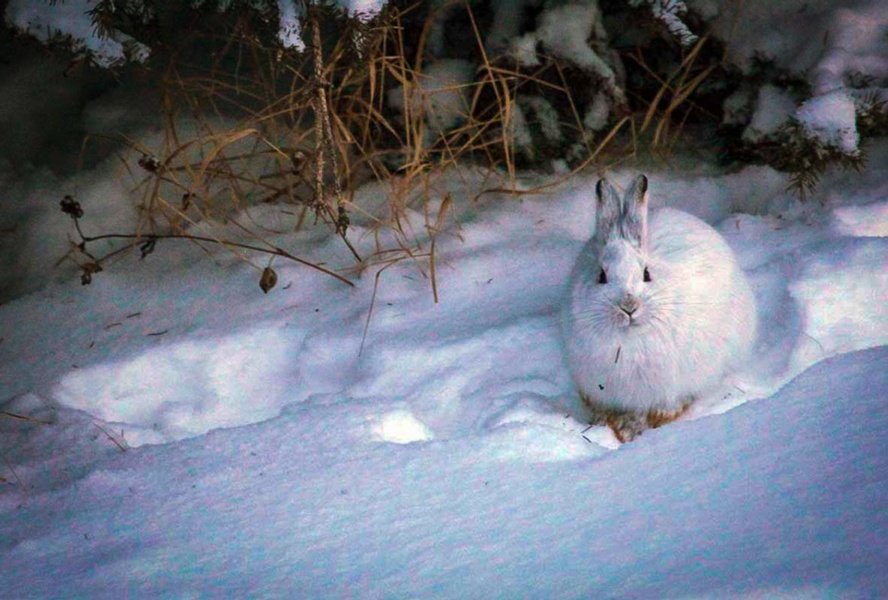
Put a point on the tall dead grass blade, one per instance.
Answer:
(434, 230)
(376, 277)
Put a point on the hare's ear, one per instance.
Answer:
(607, 210)
(635, 212)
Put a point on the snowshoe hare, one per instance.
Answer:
(657, 311)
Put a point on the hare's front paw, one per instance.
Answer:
(628, 425)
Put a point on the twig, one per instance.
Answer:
(142, 238)
(110, 437)
(4, 413)
(15, 475)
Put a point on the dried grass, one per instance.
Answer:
(310, 127)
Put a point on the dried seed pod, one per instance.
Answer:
(87, 271)
(148, 247)
(149, 163)
(268, 280)
(71, 207)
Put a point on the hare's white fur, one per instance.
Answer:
(640, 346)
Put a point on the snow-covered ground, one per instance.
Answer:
(266, 456)
(186, 435)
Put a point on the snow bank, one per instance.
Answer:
(313, 504)
(870, 220)
(267, 454)
(167, 348)
(169, 430)
(841, 292)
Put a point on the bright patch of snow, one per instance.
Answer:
(401, 427)
(841, 294)
(195, 385)
(565, 31)
(869, 220)
(290, 29)
(831, 119)
(366, 9)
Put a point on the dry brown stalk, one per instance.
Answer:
(332, 111)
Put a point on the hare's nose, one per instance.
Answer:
(629, 304)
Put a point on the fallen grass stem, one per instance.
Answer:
(4, 413)
(120, 446)
(141, 238)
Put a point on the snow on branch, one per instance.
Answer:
(670, 12)
(290, 31)
(84, 23)
(74, 20)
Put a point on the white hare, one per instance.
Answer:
(656, 312)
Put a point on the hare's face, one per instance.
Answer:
(619, 286)
(625, 284)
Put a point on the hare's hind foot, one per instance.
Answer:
(628, 425)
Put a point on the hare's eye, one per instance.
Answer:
(647, 275)
(602, 277)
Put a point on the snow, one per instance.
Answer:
(831, 119)
(869, 220)
(565, 30)
(46, 20)
(825, 43)
(671, 13)
(171, 431)
(365, 9)
(290, 29)
(506, 25)
(266, 456)
(440, 94)
(773, 108)
(596, 117)
(310, 504)
(524, 50)
(842, 294)
(857, 44)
